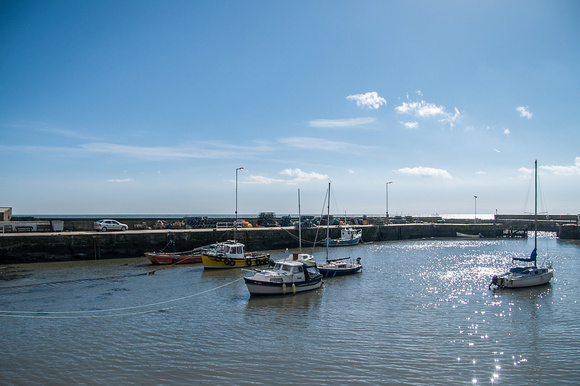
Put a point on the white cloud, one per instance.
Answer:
(481, 173)
(296, 176)
(497, 151)
(299, 175)
(118, 180)
(507, 132)
(429, 172)
(427, 110)
(349, 122)
(572, 170)
(524, 112)
(372, 100)
(410, 125)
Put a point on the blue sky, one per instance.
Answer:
(127, 107)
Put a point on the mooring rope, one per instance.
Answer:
(79, 280)
(94, 313)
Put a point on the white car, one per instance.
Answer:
(110, 225)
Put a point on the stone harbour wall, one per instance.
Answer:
(63, 246)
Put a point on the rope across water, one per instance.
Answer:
(110, 312)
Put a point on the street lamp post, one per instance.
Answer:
(475, 221)
(236, 223)
(387, 199)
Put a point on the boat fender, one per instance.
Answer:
(284, 288)
(249, 262)
(231, 262)
(293, 288)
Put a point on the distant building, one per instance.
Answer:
(5, 214)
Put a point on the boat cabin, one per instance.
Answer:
(228, 248)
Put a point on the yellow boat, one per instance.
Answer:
(230, 254)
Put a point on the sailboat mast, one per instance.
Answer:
(299, 224)
(535, 206)
(328, 222)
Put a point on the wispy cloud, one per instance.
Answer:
(524, 112)
(426, 172)
(139, 151)
(44, 128)
(349, 122)
(119, 180)
(309, 143)
(262, 180)
(370, 100)
(210, 150)
(572, 170)
(296, 176)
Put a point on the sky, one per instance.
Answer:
(151, 107)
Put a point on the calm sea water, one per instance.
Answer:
(420, 313)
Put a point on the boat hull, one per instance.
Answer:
(216, 262)
(168, 258)
(332, 272)
(468, 236)
(540, 276)
(258, 287)
(340, 242)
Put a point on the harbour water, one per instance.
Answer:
(419, 313)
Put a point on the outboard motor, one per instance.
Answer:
(494, 280)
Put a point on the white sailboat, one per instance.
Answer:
(337, 267)
(527, 276)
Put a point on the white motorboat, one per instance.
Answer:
(298, 273)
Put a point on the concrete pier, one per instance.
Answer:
(83, 245)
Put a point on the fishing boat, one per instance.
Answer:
(297, 273)
(527, 276)
(468, 236)
(348, 236)
(186, 257)
(230, 254)
(341, 266)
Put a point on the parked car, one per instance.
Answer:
(110, 225)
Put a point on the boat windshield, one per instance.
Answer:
(312, 270)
